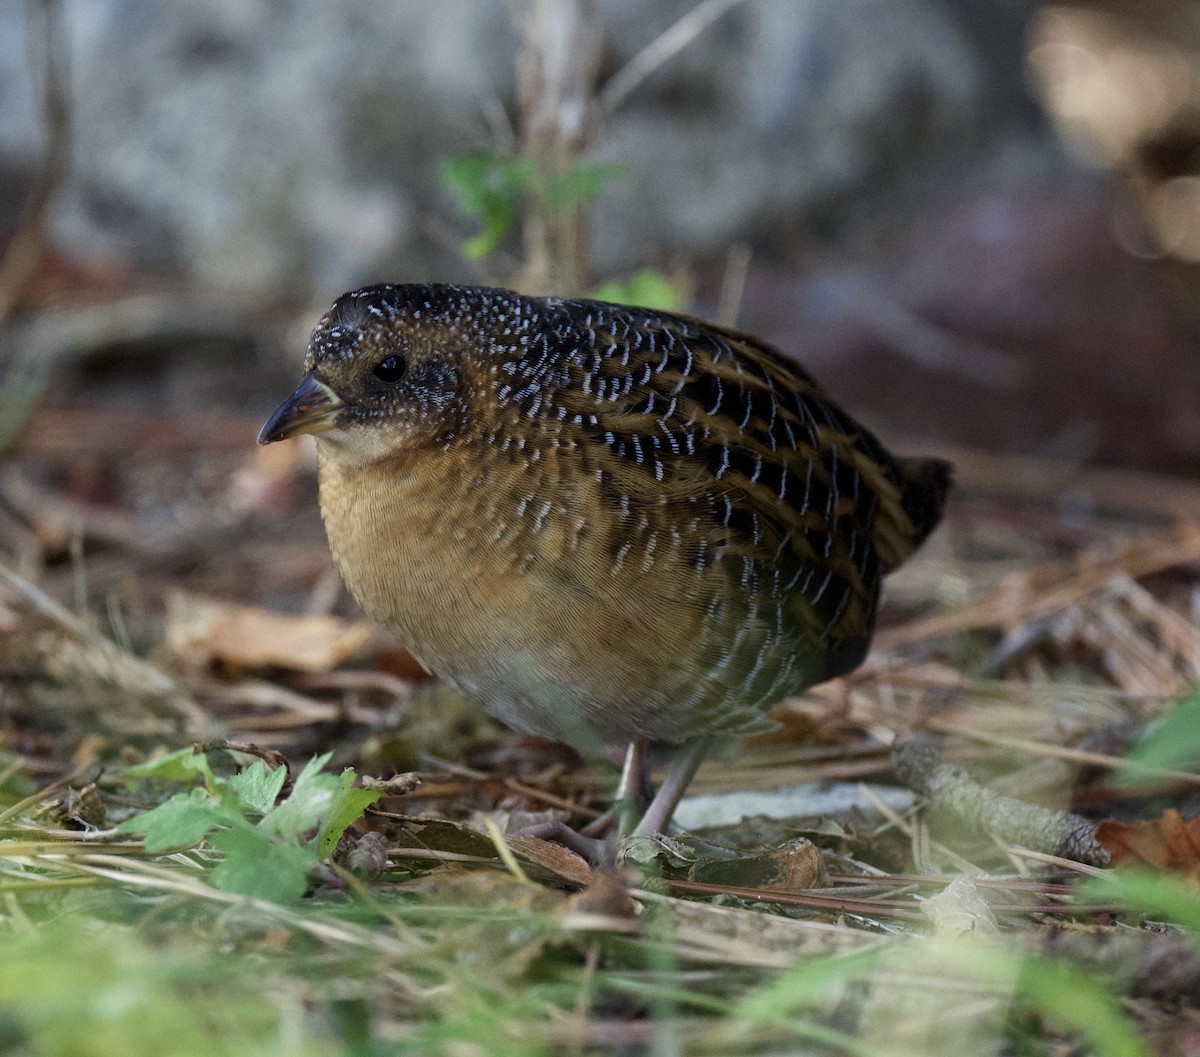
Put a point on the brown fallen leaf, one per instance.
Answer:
(1169, 843)
(267, 478)
(402, 664)
(202, 630)
(544, 861)
(796, 866)
(605, 905)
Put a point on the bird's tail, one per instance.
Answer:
(912, 511)
(924, 486)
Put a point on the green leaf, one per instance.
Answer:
(1153, 893)
(1173, 745)
(255, 865)
(647, 288)
(580, 184)
(257, 787)
(487, 187)
(271, 859)
(485, 243)
(804, 986)
(181, 821)
(1077, 999)
(185, 765)
(348, 803)
(479, 178)
(309, 803)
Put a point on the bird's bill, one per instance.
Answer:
(312, 408)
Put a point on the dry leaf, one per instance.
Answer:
(202, 630)
(796, 866)
(402, 664)
(959, 907)
(552, 857)
(543, 861)
(605, 905)
(266, 480)
(1169, 843)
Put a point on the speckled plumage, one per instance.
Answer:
(603, 523)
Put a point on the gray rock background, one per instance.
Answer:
(291, 146)
(916, 232)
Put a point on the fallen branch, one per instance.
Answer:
(949, 788)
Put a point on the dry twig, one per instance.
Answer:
(556, 76)
(47, 644)
(950, 788)
(26, 245)
(660, 51)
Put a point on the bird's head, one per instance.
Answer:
(387, 372)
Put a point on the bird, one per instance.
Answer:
(606, 525)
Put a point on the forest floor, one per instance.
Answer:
(917, 861)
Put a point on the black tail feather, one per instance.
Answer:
(926, 484)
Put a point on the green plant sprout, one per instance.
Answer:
(491, 189)
(494, 190)
(1172, 743)
(268, 848)
(647, 287)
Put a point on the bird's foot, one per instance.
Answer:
(599, 851)
(601, 842)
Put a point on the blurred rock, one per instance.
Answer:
(780, 113)
(294, 145)
(268, 145)
(1008, 323)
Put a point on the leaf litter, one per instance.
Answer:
(376, 886)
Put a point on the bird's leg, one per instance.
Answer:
(631, 789)
(596, 850)
(634, 788)
(679, 776)
(634, 779)
(633, 792)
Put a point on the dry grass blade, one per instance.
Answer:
(171, 882)
(1016, 884)
(660, 51)
(504, 851)
(512, 785)
(119, 691)
(770, 935)
(1057, 861)
(1047, 589)
(288, 709)
(1062, 752)
(865, 907)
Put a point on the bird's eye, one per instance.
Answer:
(391, 370)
